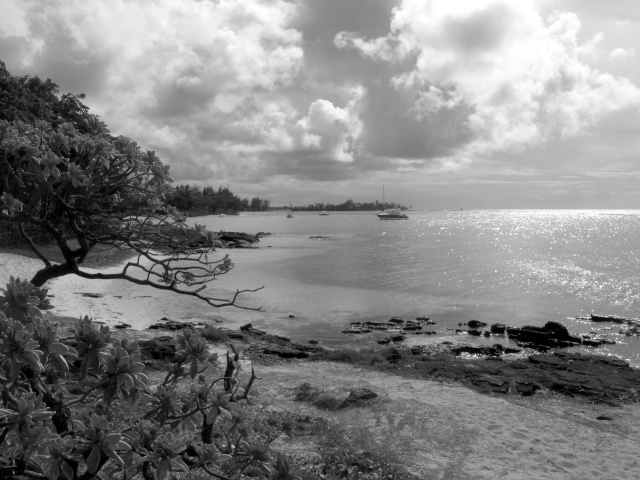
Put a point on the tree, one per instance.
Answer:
(91, 189)
(29, 99)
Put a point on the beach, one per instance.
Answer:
(435, 429)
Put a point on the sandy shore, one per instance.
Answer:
(446, 431)
(438, 431)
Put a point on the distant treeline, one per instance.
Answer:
(347, 206)
(195, 200)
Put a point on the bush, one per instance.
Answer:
(214, 335)
(121, 426)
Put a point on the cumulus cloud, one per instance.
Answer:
(521, 75)
(623, 53)
(273, 92)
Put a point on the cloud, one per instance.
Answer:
(278, 94)
(520, 75)
(623, 53)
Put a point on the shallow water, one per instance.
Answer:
(513, 267)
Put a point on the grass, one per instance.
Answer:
(361, 356)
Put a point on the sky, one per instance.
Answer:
(447, 103)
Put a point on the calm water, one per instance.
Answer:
(513, 267)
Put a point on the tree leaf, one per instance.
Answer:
(93, 460)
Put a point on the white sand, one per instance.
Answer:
(446, 431)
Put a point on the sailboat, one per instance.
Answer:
(390, 213)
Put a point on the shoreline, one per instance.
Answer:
(429, 415)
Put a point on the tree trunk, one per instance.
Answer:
(54, 271)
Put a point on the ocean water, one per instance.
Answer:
(514, 267)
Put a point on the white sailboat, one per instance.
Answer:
(390, 213)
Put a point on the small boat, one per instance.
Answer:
(290, 215)
(390, 213)
(323, 213)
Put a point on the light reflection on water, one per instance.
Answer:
(514, 267)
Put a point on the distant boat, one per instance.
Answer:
(290, 215)
(390, 213)
(323, 213)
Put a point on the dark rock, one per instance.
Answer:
(422, 318)
(122, 326)
(396, 320)
(486, 333)
(313, 341)
(603, 417)
(384, 340)
(476, 324)
(498, 328)
(161, 348)
(170, 325)
(245, 328)
(285, 352)
(237, 237)
(397, 338)
(608, 318)
(551, 335)
(283, 338)
(235, 335)
(474, 332)
(411, 327)
(292, 316)
(358, 396)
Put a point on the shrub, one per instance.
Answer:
(40, 440)
(214, 334)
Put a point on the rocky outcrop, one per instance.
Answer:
(597, 378)
(551, 335)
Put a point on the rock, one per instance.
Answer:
(313, 341)
(551, 335)
(396, 320)
(285, 352)
(603, 417)
(397, 338)
(238, 237)
(498, 328)
(122, 326)
(474, 332)
(292, 316)
(608, 318)
(170, 325)
(422, 318)
(359, 395)
(476, 324)
(384, 340)
(161, 348)
(412, 327)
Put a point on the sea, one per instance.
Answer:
(517, 267)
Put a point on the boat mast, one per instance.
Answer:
(384, 203)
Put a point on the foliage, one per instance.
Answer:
(28, 99)
(36, 424)
(91, 189)
(194, 200)
(347, 206)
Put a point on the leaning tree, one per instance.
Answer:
(91, 191)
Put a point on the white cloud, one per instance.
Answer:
(521, 74)
(623, 53)
(328, 129)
